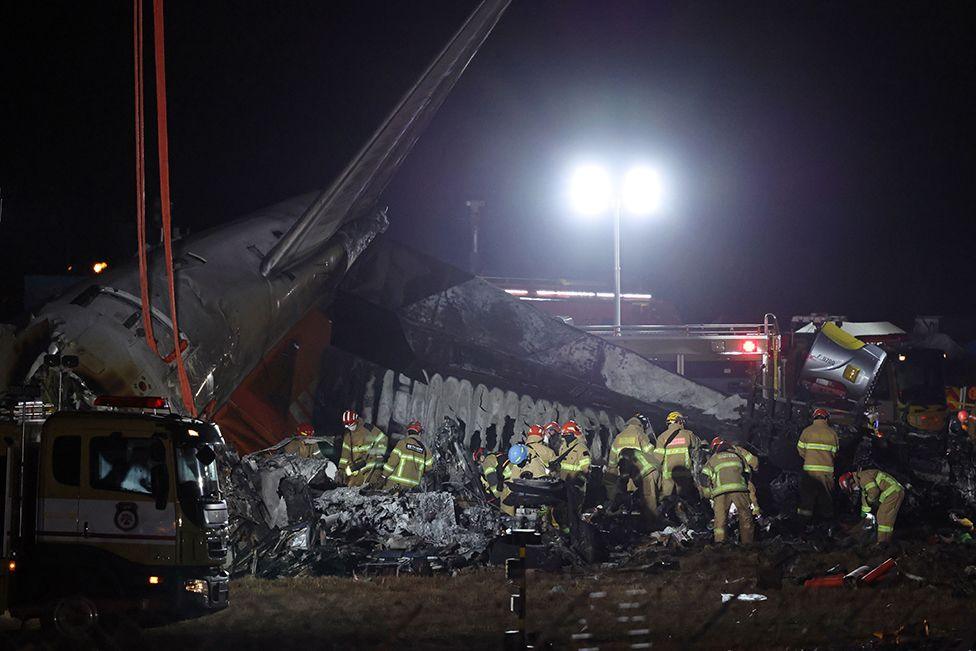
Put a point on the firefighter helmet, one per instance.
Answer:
(717, 443)
(518, 454)
(674, 417)
(572, 428)
(534, 432)
(551, 426)
(349, 418)
(415, 427)
(820, 412)
(478, 455)
(305, 429)
(846, 482)
(644, 421)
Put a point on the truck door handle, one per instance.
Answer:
(85, 533)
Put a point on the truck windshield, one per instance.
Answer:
(195, 478)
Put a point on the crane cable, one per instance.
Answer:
(163, 150)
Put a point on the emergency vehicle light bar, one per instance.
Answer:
(131, 402)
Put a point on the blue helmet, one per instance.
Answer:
(517, 454)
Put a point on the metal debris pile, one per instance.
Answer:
(289, 518)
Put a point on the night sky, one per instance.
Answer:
(817, 156)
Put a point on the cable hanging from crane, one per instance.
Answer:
(163, 151)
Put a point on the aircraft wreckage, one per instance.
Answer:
(304, 309)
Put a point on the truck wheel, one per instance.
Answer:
(74, 617)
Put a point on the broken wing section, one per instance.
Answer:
(366, 176)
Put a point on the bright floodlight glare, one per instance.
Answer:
(642, 191)
(591, 190)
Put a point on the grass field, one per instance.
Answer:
(679, 607)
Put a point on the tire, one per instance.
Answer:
(73, 617)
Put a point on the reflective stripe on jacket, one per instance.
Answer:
(407, 463)
(818, 446)
(876, 488)
(365, 446)
(632, 437)
(575, 458)
(677, 453)
(726, 472)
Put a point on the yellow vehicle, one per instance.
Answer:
(110, 512)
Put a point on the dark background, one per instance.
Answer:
(818, 156)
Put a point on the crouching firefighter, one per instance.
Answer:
(493, 467)
(408, 462)
(880, 493)
(363, 449)
(726, 472)
(632, 461)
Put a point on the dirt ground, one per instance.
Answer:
(669, 597)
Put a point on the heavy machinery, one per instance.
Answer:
(110, 512)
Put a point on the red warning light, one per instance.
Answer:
(749, 346)
(131, 402)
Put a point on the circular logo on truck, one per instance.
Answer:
(126, 517)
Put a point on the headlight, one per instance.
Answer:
(198, 586)
(215, 516)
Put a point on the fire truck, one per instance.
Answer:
(112, 511)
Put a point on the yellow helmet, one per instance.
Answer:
(674, 417)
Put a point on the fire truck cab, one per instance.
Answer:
(107, 511)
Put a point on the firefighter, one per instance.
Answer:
(408, 462)
(541, 457)
(639, 463)
(363, 449)
(518, 458)
(727, 471)
(879, 491)
(817, 446)
(752, 463)
(673, 453)
(574, 456)
(492, 465)
(303, 448)
(552, 434)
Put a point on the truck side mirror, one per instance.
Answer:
(160, 485)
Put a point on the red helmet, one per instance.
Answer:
(305, 429)
(478, 455)
(717, 442)
(962, 416)
(534, 431)
(551, 426)
(846, 482)
(349, 417)
(415, 427)
(571, 427)
(820, 412)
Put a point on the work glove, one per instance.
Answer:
(554, 467)
(359, 465)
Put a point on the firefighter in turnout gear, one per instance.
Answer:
(513, 466)
(879, 492)
(574, 456)
(363, 449)
(632, 447)
(541, 456)
(300, 445)
(752, 463)
(673, 453)
(817, 446)
(490, 465)
(408, 462)
(726, 471)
